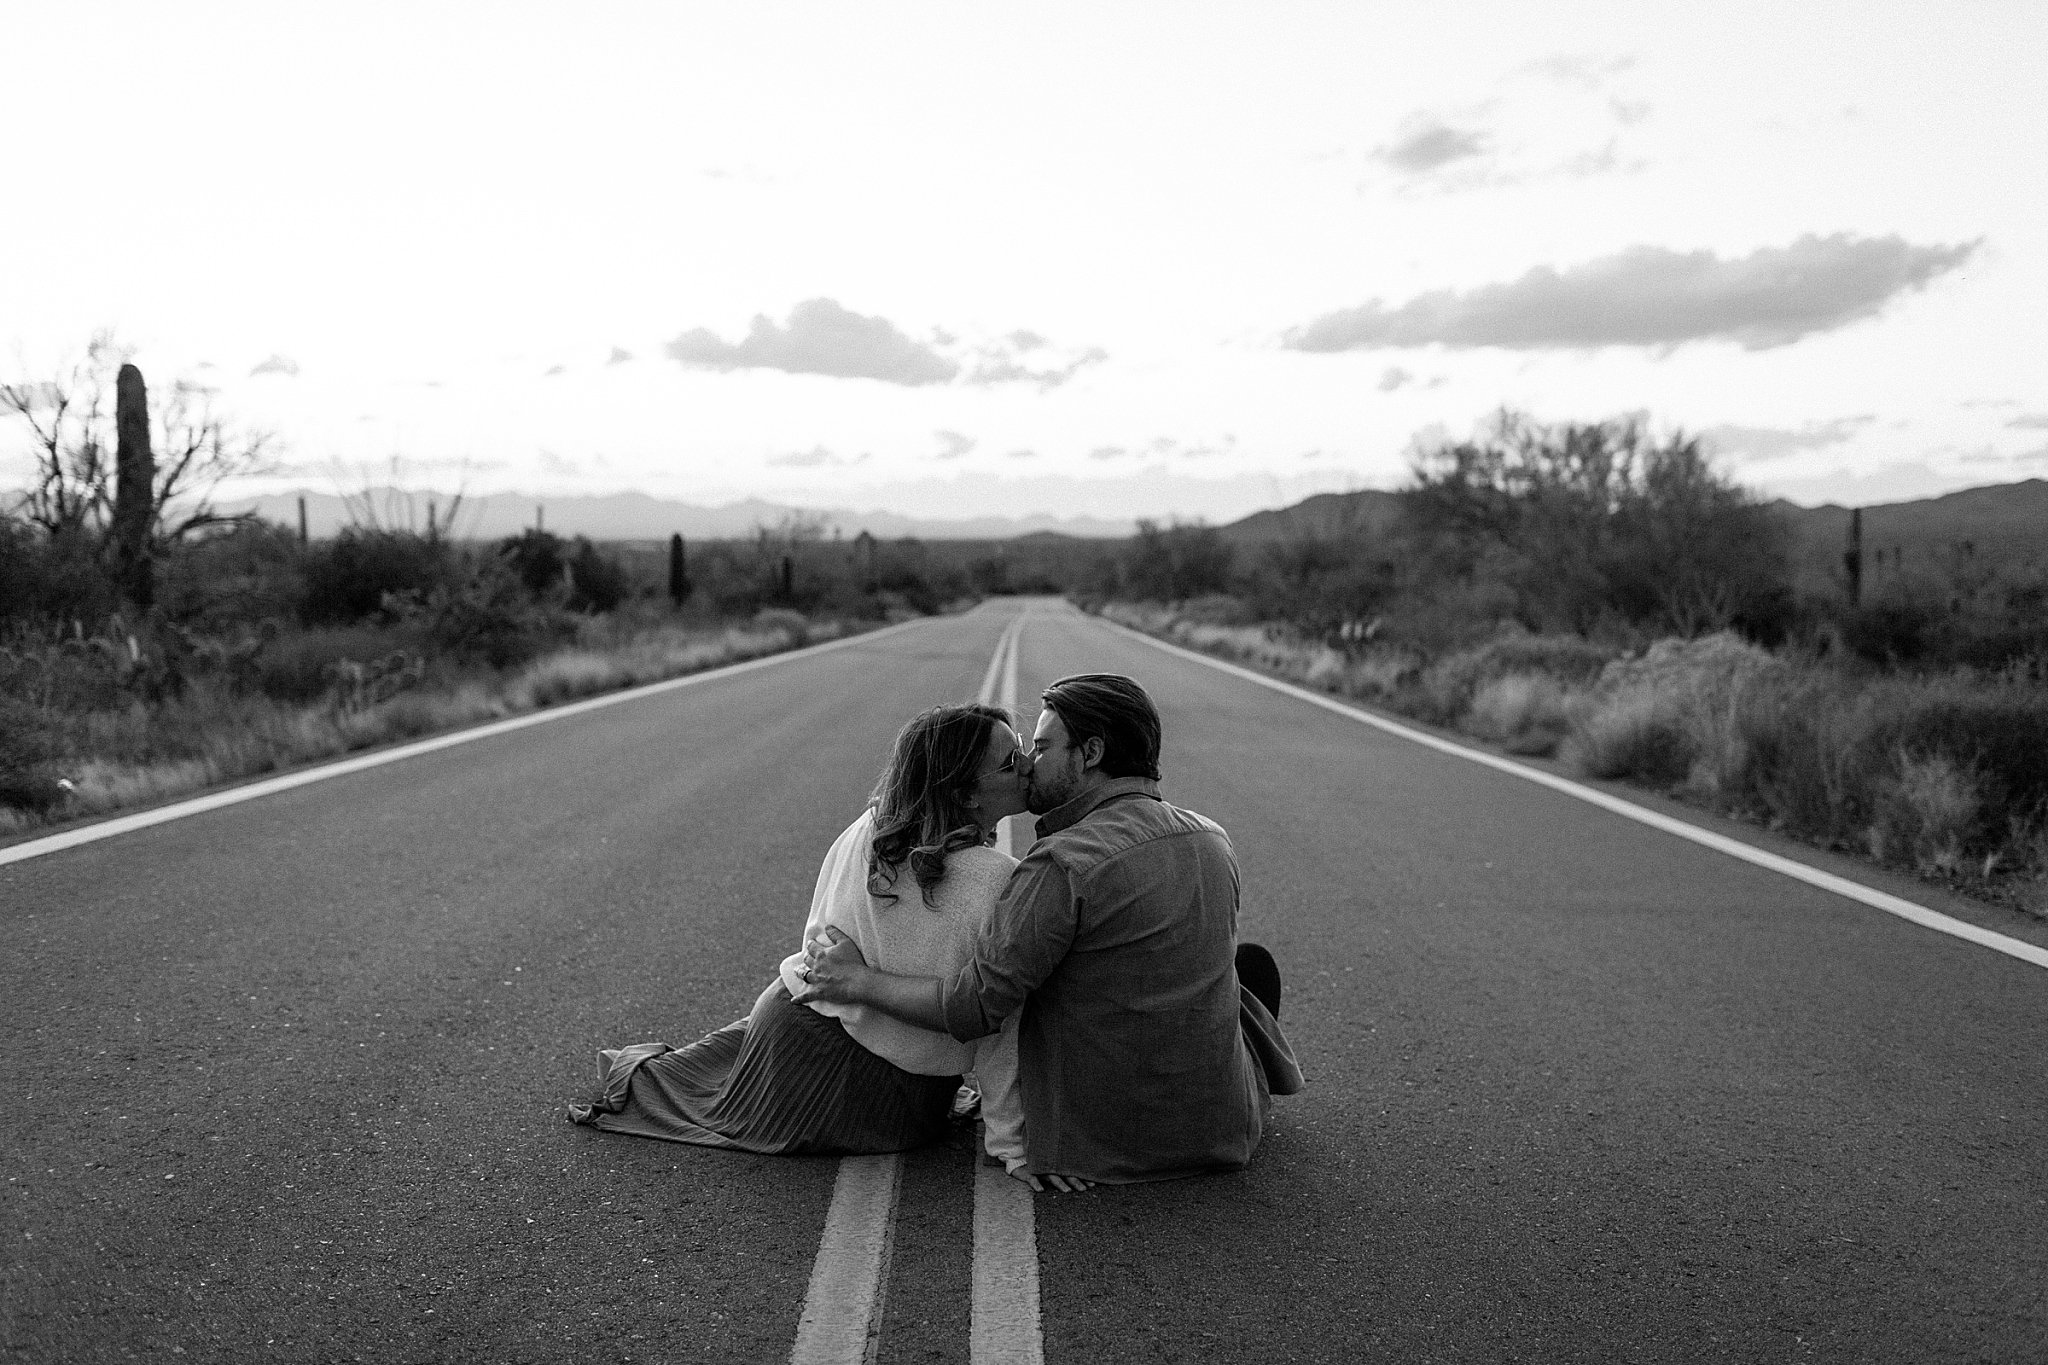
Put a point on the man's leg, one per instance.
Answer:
(1259, 974)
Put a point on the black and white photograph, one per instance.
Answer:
(944, 684)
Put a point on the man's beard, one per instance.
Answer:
(1050, 791)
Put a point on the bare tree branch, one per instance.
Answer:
(69, 421)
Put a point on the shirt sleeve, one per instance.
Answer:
(841, 877)
(1025, 938)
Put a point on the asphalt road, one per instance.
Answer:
(285, 1080)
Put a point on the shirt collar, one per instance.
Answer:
(1060, 817)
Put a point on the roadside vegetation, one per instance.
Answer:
(152, 646)
(1586, 594)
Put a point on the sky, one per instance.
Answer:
(1177, 260)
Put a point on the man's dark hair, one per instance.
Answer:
(1115, 710)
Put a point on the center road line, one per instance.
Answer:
(1004, 1325)
(842, 1315)
(1924, 916)
(842, 1319)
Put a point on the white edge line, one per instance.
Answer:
(1734, 848)
(842, 1307)
(123, 824)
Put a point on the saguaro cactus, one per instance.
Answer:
(1852, 559)
(134, 489)
(678, 572)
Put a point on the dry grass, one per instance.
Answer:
(1927, 813)
(1945, 776)
(137, 754)
(1525, 713)
(1636, 733)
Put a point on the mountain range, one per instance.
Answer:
(638, 516)
(2000, 522)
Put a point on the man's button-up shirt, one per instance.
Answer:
(1117, 937)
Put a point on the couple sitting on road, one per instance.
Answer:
(1096, 989)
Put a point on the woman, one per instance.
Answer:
(911, 881)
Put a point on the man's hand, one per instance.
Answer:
(833, 967)
(835, 973)
(1065, 1184)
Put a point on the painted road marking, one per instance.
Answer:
(122, 824)
(1004, 1329)
(843, 1309)
(1003, 1323)
(842, 1319)
(1827, 881)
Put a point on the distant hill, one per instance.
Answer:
(638, 516)
(2001, 523)
(1998, 523)
(1326, 514)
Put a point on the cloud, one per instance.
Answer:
(1004, 362)
(1428, 144)
(1768, 443)
(1025, 454)
(1993, 455)
(560, 465)
(277, 364)
(1393, 377)
(2032, 421)
(1581, 69)
(1603, 160)
(554, 370)
(952, 445)
(1108, 453)
(820, 338)
(816, 457)
(620, 355)
(1650, 296)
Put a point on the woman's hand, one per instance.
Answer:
(833, 969)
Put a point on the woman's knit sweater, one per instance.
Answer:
(904, 936)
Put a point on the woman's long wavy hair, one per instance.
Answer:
(921, 811)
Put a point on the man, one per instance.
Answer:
(1140, 1055)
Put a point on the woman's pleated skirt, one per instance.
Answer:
(785, 1080)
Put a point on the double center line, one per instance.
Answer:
(842, 1317)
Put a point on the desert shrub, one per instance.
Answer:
(1798, 763)
(790, 623)
(28, 779)
(250, 572)
(1448, 685)
(1218, 609)
(1169, 563)
(300, 665)
(1929, 812)
(1704, 681)
(1523, 712)
(50, 578)
(350, 577)
(1998, 734)
(597, 581)
(1637, 733)
(486, 618)
(536, 558)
